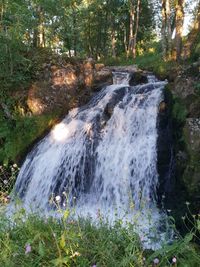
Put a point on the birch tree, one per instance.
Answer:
(179, 28)
(166, 32)
(136, 28)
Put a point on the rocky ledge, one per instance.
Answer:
(62, 85)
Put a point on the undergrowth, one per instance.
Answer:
(31, 240)
(20, 132)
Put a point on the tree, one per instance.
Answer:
(179, 28)
(166, 33)
(136, 28)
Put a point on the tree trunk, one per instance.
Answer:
(74, 31)
(136, 29)
(131, 28)
(125, 41)
(163, 29)
(166, 29)
(39, 32)
(2, 14)
(113, 39)
(179, 28)
(169, 31)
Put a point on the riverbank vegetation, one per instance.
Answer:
(31, 240)
(148, 33)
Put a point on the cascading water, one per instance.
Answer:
(103, 157)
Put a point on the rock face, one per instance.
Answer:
(64, 86)
(192, 172)
(186, 128)
(164, 149)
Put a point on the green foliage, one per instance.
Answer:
(8, 174)
(150, 59)
(153, 61)
(197, 88)
(18, 134)
(179, 112)
(30, 240)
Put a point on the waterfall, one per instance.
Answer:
(103, 157)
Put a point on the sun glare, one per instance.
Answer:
(60, 132)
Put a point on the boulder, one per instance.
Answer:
(102, 78)
(138, 77)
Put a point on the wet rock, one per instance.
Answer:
(138, 78)
(137, 75)
(188, 161)
(183, 86)
(102, 78)
(119, 94)
(164, 150)
(130, 69)
(192, 134)
(162, 106)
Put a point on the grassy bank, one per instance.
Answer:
(34, 241)
(152, 62)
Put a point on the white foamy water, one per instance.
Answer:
(104, 157)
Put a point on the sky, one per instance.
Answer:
(188, 16)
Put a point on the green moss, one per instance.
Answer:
(179, 112)
(19, 134)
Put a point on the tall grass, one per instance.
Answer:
(32, 240)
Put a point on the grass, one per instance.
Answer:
(31, 240)
(150, 61)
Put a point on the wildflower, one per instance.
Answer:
(5, 181)
(142, 238)
(169, 211)
(94, 265)
(58, 199)
(183, 218)
(98, 213)
(174, 260)
(75, 254)
(187, 203)
(15, 165)
(27, 248)
(54, 235)
(156, 261)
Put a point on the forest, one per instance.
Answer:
(55, 56)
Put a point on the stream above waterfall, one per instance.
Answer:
(101, 160)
